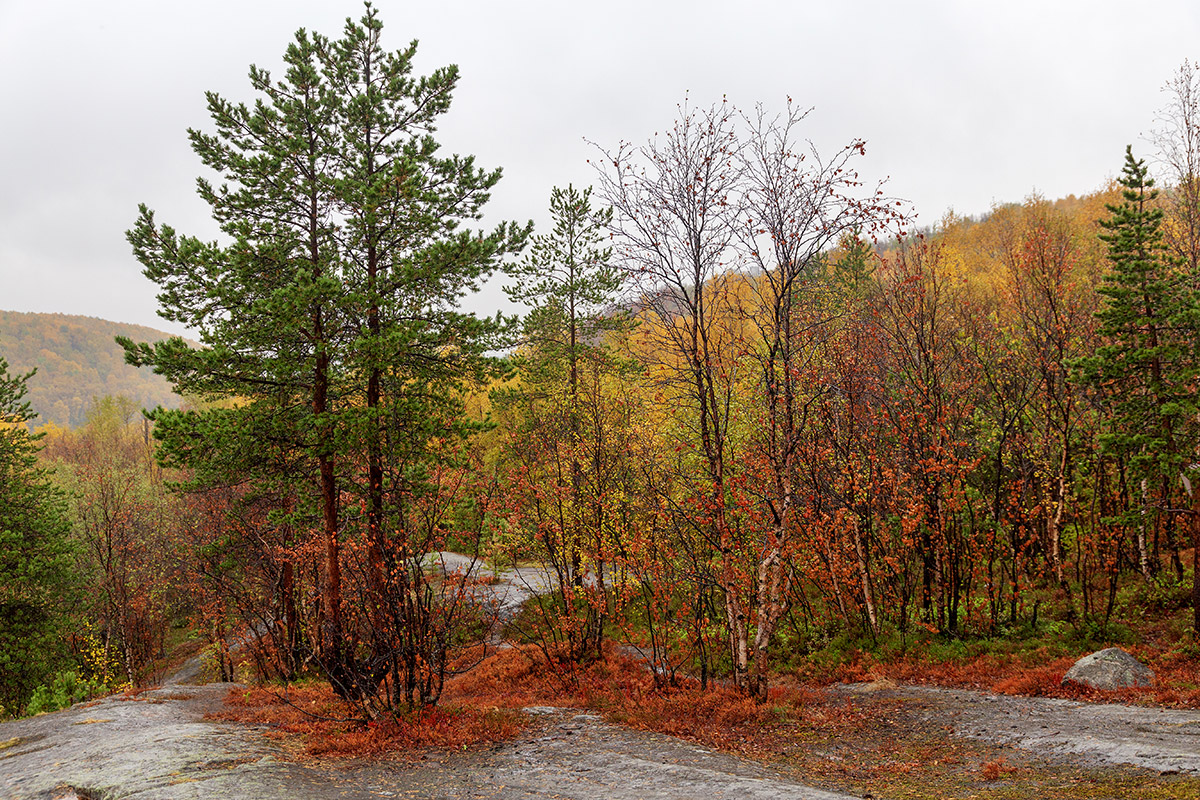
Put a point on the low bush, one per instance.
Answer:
(66, 689)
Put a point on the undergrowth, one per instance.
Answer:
(325, 725)
(1029, 660)
(872, 745)
(622, 689)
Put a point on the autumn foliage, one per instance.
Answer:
(329, 726)
(770, 421)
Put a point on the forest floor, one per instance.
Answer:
(861, 740)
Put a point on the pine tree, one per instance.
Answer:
(570, 283)
(854, 271)
(37, 581)
(333, 305)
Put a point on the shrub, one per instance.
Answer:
(66, 689)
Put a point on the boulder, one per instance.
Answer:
(1109, 669)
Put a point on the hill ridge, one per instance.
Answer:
(77, 359)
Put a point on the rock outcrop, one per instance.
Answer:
(1109, 669)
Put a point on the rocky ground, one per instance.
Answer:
(1096, 734)
(158, 745)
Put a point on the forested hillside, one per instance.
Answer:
(77, 360)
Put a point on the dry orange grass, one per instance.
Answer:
(480, 708)
(327, 726)
(621, 688)
(1033, 674)
(995, 769)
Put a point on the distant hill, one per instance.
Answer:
(76, 359)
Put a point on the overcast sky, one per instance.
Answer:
(963, 104)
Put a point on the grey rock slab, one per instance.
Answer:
(1166, 740)
(190, 672)
(506, 588)
(159, 747)
(1112, 668)
(147, 747)
(579, 757)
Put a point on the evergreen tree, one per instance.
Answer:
(570, 284)
(568, 281)
(36, 577)
(854, 270)
(333, 305)
(1147, 366)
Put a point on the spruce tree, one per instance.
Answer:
(1147, 367)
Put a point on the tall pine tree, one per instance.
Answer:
(332, 304)
(568, 280)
